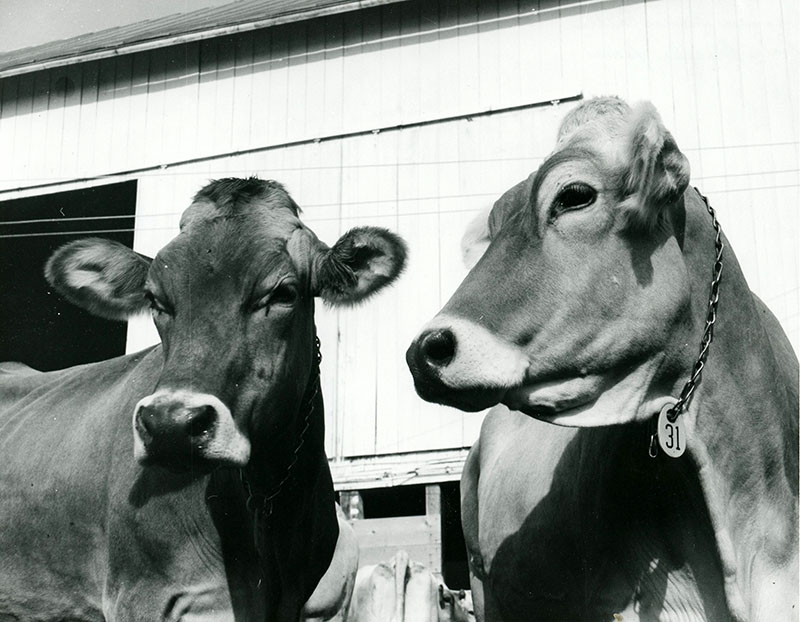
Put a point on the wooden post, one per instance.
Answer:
(433, 517)
(352, 505)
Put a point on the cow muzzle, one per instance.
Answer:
(459, 363)
(183, 430)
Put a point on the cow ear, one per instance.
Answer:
(102, 276)
(485, 226)
(656, 172)
(363, 261)
(476, 239)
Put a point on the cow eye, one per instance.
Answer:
(283, 294)
(156, 306)
(574, 196)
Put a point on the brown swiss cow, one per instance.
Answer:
(598, 285)
(188, 481)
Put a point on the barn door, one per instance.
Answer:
(37, 326)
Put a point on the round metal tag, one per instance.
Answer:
(671, 434)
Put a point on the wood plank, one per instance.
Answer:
(224, 80)
(156, 104)
(278, 100)
(637, 50)
(260, 88)
(8, 129)
(298, 82)
(409, 64)
(136, 122)
(37, 149)
(242, 108)
(683, 100)
(206, 98)
(104, 115)
(184, 127)
(333, 64)
(433, 502)
(88, 121)
(489, 59)
(659, 60)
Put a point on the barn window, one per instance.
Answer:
(38, 327)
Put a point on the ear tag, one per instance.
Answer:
(671, 434)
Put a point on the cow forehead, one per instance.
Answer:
(202, 218)
(263, 205)
(238, 248)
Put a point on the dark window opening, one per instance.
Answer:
(454, 550)
(37, 326)
(395, 501)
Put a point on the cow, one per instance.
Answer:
(330, 601)
(402, 590)
(608, 302)
(187, 481)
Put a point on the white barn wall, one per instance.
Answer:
(723, 73)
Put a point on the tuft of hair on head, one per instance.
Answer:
(101, 276)
(607, 108)
(362, 262)
(654, 173)
(230, 192)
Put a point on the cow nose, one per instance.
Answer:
(437, 347)
(157, 421)
(171, 428)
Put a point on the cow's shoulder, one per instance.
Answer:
(781, 346)
(15, 368)
(75, 411)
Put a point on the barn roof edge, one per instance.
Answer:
(242, 16)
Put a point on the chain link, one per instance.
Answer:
(711, 317)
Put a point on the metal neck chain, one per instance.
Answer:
(708, 334)
(261, 504)
(711, 317)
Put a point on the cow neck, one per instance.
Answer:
(261, 500)
(738, 423)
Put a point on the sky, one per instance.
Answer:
(24, 23)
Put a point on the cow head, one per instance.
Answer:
(232, 297)
(576, 313)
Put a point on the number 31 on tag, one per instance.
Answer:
(671, 434)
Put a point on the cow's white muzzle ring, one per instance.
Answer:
(669, 414)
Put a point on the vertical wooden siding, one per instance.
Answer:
(723, 74)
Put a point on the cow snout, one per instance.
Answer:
(460, 363)
(181, 429)
(428, 357)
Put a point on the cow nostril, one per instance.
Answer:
(201, 420)
(145, 423)
(439, 347)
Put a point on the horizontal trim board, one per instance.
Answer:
(414, 468)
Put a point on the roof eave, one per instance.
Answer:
(199, 35)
